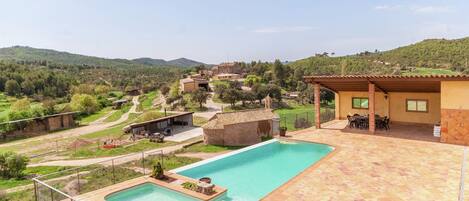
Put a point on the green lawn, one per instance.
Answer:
(93, 117)
(289, 115)
(430, 71)
(39, 170)
(238, 107)
(147, 102)
(169, 161)
(142, 145)
(26, 195)
(5, 103)
(117, 114)
(201, 147)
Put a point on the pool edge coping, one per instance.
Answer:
(334, 150)
(203, 162)
(312, 167)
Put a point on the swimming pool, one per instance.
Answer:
(149, 192)
(253, 172)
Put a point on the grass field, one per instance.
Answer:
(142, 145)
(95, 116)
(430, 71)
(5, 103)
(200, 147)
(147, 102)
(289, 115)
(117, 114)
(39, 170)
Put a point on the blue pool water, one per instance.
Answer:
(149, 192)
(252, 174)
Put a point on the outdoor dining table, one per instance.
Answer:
(366, 118)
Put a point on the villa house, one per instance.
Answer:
(409, 100)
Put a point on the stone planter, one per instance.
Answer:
(283, 132)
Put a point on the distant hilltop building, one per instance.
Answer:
(227, 68)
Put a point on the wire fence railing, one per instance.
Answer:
(76, 183)
(305, 119)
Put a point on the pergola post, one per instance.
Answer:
(371, 107)
(317, 105)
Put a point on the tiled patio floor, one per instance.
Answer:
(383, 167)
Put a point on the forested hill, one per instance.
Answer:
(22, 53)
(175, 62)
(431, 54)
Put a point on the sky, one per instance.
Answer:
(214, 31)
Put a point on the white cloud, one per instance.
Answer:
(283, 29)
(414, 9)
(431, 9)
(387, 7)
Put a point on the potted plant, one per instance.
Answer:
(283, 131)
(158, 172)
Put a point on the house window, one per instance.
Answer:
(359, 103)
(417, 105)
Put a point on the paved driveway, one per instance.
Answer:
(185, 134)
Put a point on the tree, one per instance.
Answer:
(28, 87)
(252, 80)
(164, 90)
(12, 88)
(21, 109)
(2, 83)
(102, 89)
(260, 92)
(326, 96)
(231, 96)
(220, 89)
(235, 84)
(12, 165)
(49, 106)
(247, 96)
(84, 103)
(200, 96)
(279, 73)
(83, 89)
(274, 91)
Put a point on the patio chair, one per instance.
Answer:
(351, 121)
(361, 123)
(386, 123)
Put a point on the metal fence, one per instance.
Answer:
(70, 183)
(301, 120)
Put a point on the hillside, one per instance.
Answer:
(176, 62)
(22, 53)
(448, 55)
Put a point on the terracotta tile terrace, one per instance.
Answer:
(406, 163)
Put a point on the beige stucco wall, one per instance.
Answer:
(394, 106)
(345, 104)
(398, 108)
(455, 95)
